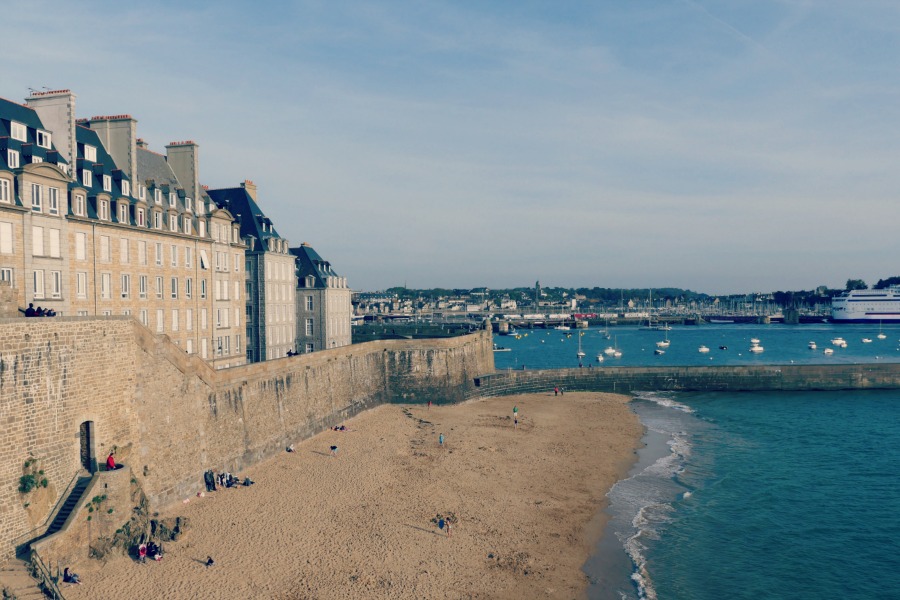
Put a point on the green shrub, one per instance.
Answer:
(27, 483)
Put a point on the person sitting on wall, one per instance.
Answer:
(70, 577)
(39, 312)
(111, 462)
(29, 312)
(49, 313)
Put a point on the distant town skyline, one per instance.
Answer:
(718, 147)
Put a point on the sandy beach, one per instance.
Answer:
(359, 524)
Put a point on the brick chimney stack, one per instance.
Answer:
(57, 112)
(184, 159)
(250, 187)
(119, 136)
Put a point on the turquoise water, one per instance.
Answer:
(753, 495)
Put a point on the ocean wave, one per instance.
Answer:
(663, 399)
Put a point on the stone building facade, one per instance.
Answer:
(324, 309)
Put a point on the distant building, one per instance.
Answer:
(269, 286)
(324, 309)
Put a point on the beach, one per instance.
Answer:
(361, 523)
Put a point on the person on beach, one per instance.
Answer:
(209, 561)
(556, 391)
(441, 440)
(334, 450)
(70, 577)
(290, 448)
(516, 421)
(142, 552)
(449, 527)
(515, 412)
(429, 405)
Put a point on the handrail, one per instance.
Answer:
(62, 498)
(43, 574)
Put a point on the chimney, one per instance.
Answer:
(250, 187)
(184, 159)
(118, 133)
(56, 110)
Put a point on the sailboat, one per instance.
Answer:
(580, 353)
(881, 334)
(616, 352)
(664, 343)
(606, 329)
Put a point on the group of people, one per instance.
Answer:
(215, 480)
(31, 311)
(151, 549)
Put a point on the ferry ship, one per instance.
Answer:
(862, 306)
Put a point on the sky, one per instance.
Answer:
(723, 147)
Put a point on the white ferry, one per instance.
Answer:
(863, 306)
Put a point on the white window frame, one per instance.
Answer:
(78, 209)
(53, 201)
(142, 287)
(12, 159)
(174, 288)
(123, 213)
(126, 187)
(81, 285)
(5, 191)
(38, 280)
(107, 183)
(103, 210)
(90, 153)
(6, 237)
(126, 285)
(37, 198)
(159, 254)
(18, 131)
(173, 199)
(159, 288)
(37, 241)
(105, 286)
(44, 139)
(87, 178)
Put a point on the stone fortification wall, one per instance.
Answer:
(727, 378)
(171, 417)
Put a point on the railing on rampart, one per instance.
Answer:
(45, 577)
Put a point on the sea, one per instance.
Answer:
(763, 495)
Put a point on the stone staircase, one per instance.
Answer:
(66, 509)
(15, 578)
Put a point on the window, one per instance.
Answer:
(36, 159)
(104, 248)
(203, 289)
(199, 207)
(142, 252)
(37, 241)
(188, 257)
(80, 245)
(103, 210)
(53, 201)
(173, 222)
(188, 204)
(237, 290)
(18, 131)
(189, 348)
(189, 319)
(203, 323)
(44, 139)
(174, 319)
(81, 285)
(174, 255)
(54, 243)
(159, 257)
(6, 274)
(188, 287)
(141, 221)
(144, 319)
(105, 286)
(142, 192)
(123, 251)
(218, 290)
(157, 220)
(5, 195)
(237, 344)
(126, 187)
(123, 213)
(126, 285)
(87, 178)
(6, 241)
(172, 198)
(38, 284)
(37, 201)
(107, 183)
(157, 196)
(204, 259)
(90, 153)
(78, 209)
(12, 159)
(203, 351)
(160, 327)
(309, 303)
(202, 227)
(309, 327)
(174, 287)
(237, 317)
(159, 288)
(142, 287)
(186, 224)
(309, 348)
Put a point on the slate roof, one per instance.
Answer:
(310, 263)
(245, 209)
(12, 111)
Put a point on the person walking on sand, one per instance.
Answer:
(209, 561)
(334, 450)
(515, 412)
(429, 405)
(441, 440)
(516, 421)
(556, 391)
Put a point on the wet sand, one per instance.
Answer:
(359, 524)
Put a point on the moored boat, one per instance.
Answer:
(702, 349)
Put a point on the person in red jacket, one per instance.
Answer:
(111, 462)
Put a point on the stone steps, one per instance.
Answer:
(15, 576)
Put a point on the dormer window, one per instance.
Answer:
(87, 178)
(142, 192)
(78, 207)
(186, 224)
(107, 183)
(18, 131)
(90, 153)
(157, 196)
(157, 220)
(103, 210)
(187, 204)
(63, 167)
(12, 159)
(310, 281)
(140, 217)
(36, 159)
(126, 187)
(199, 207)
(172, 197)
(173, 222)
(44, 139)
(123, 213)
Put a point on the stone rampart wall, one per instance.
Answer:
(170, 416)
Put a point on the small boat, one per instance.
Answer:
(754, 341)
(838, 341)
(756, 348)
(562, 328)
(599, 358)
(812, 345)
(580, 353)
(829, 351)
(659, 352)
(664, 343)
(702, 349)
(881, 334)
(501, 349)
(723, 347)
(866, 341)
(617, 354)
(609, 351)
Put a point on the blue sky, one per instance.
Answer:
(723, 147)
